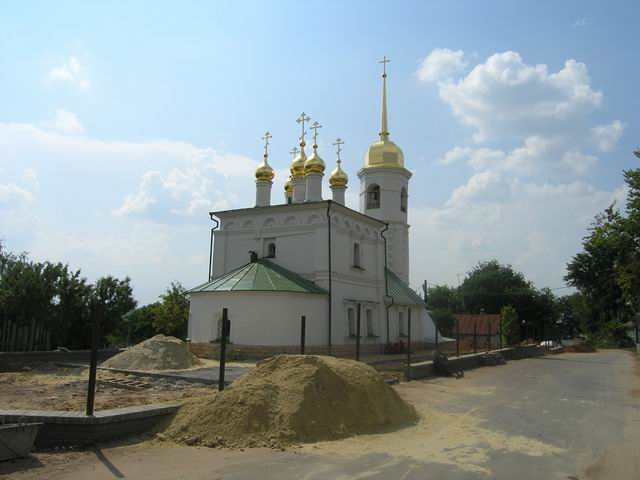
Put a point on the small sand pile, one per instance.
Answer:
(293, 398)
(156, 353)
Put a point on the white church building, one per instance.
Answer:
(315, 257)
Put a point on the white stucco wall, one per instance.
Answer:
(260, 318)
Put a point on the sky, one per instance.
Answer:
(122, 124)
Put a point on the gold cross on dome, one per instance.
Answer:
(338, 142)
(266, 138)
(301, 119)
(315, 128)
(384, 62)
(294, 152)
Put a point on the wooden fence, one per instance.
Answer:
(24, 338)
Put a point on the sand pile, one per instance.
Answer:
(156, 353)
(293, 398)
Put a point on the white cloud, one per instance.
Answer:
(581, 23)
(536, 227)
(506, 97)
(115, 207)
(606, 137)
(188, 191)
(12, 193)
(71, 72)
(67, 122)
(528, 201)
(441, 64)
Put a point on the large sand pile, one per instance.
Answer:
(293, 398)
(156, 353)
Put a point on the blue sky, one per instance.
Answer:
(123, 123)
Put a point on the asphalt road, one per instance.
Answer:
(569, 416)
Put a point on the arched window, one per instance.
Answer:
(271, 250)
(403, 200)
(373, 196)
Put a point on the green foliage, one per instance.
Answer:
(443, 297)
(510, 326)
(60, 299)
(612, 335)
(172, 315)
(607, 270)
(491, 286)
(443, 318)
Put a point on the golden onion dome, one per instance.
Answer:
(314, 163)
(264, 172)
(384, 154)
(297, 165)
(338, 178)
(288, 186)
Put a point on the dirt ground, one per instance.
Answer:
(568, 416)
(52, 388)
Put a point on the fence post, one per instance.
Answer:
(408, 375)
(637, 334)
(475, 336)
(358, 334)
(500, 333)
(489, 336)
(93, 366)
(226, 330)
(303, 325)
(457, 338)
(436, 325)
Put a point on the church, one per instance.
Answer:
(314, 257)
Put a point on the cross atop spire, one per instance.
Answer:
(301, 120)
(339, 142)
(266, 138)
(315, 128)
(294, 152)
(384, 62)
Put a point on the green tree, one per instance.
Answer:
(443, 318)
(510, 326)
(172, 315)
(443, 297)
(116, 297)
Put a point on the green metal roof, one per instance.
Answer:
(260, 276)
(400, 292)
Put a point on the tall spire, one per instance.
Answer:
(384, 129)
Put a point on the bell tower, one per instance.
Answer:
(384, 190)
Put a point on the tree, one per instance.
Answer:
(444, 320)
(172, 315)
(607, 270)
(443, 297)
(510, 329)
(116, 296)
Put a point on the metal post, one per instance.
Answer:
(500, 333)
(358, 334)
(435, 323)
(489, 336)
(93, 368)
(475, 336)
(457, 338)
(408, 375)
(303, 322)
(637, 334)
(226, 330)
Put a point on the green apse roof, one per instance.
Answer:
(400, 292)
(260, 276)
